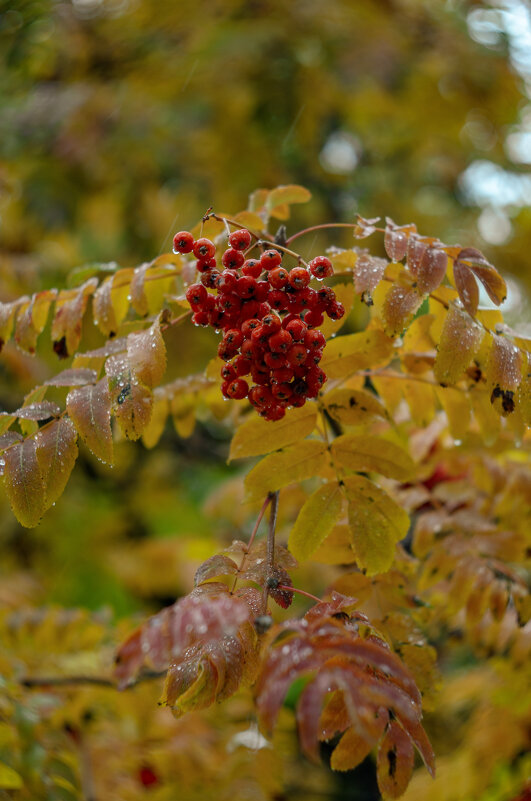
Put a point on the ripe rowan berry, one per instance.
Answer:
(271, 323)
(336, 310)
(238, 389)
(313, 318)
(204, 248)
(227, 281)
(233, 337)
(273, 412)
(261, 396)
(270, 259)
(240, 240)
(242, 365)
(321, 267)
(299, 278)
(297, 354)
(275, 360)
(249, 325)
(277, 300)
(314, 340)
(209, 278)
(200, 318)
(202, 265)
(246, 286)
(262, 291)
(281, 391)
(195, 295)
(183, 242)
(280, 341)
(297, 328)
(232, 259)
(252, 267)
(278, 277)
(228, 372)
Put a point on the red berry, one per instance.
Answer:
(238, 389)
(261, 396)
(232, 259)
(278, 277)
(240, 240)
(227, 281)
(274, 412)
(275, 360)
(250, 308)
(204, 248)
(196, 296)
(308, 298)
(228, 372)
(233, 337)
(246, 286)
(226, 352)
(252, 267)
(277, 300)
(280, 342)
(262, 290)
(281, 375)
(200, 318)
(281, 391)
(247, 349)
(183, 242)
(336, 310)
(314, 340)
(326, 296)
(270, 259)
(313, 318)
(230, 302)
(242, 365)
(210, 278)
(299, 278)
(259, 377)
(321, 267)
(271, 323)
(297, 354)
(249, 326)
(297, 328)
(259, 336)
(202, 265)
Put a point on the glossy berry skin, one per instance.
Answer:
(278, 278)
(196, 296)
(270, 259)
(246, 286)
(204, 248)
(299, 278)
(321, 267)
(297, 328)
(233, 337)
(232, 259)
(280, 342)
(336, 310)
(240, 240)
(313, 318)
(252, 267)
(202, 265)
(183, 242)
(228, 372)
(237, 389)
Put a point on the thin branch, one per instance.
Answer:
(31, 682)
(270, 552)
(251, 539)
(299, 592)
(318, 228)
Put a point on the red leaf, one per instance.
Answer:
(394, 765)
(466, 287)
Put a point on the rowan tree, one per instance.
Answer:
(378, 418)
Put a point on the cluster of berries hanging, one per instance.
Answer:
(269, 317)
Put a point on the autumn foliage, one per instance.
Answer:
(398, 465)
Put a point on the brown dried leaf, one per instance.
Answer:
(38, 411)
(131, 400)
(467, 287)
(56, 455)
(395, 242)
(73, 377)
(431, 270)
(394, 765)
(218, 565)
(67, 323)
(364, 227)
(146, 352)
(89, 408)
(31, 319)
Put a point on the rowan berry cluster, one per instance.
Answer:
(269, 317)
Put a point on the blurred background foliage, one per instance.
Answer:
(122, 121)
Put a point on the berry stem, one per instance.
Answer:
(299, 592)
(252, 538)
(286, 250)
(229, 221)
(270, 552)
(318, 228)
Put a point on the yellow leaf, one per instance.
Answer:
(284, 467)
(350, 751)
(153, 431)
(389, 389)
(292, 193)
(399, 307)
(353, 352)
(89, 408)
(336, 548)
(460, 340)
(315, 520)
(353, 406)
(365, 452)
(486, 417)
(257, 436)
(131, 399)
(420, 397)
(377, 523)
(9, 778)
(457, 407)
(111, 301)
(24, 483)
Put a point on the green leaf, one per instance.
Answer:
(257, 436)
(9, 778)
(285, 467)
(365, 452)
(24, 483)
(377, 523)
(315, 520)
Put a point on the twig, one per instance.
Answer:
(31, 682)
(270, 552)
(252, 538)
